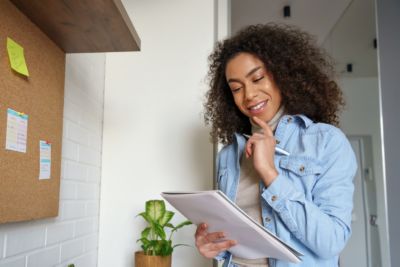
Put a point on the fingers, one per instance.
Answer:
(263, 125)
(211, 250)
(209, 239)
(223, 245)
(203, 237)
(210, 244)
(257, 136)
(201, 230)
(251, 142)
(212, 237)
(249, 145)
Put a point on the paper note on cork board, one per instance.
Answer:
(17, 57)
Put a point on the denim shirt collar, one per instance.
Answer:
(240, 141)
(307, 121)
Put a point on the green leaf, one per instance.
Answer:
(178, 245)
(167, 216)
(155, 209)
(170, 225)
(154, 247)
(159, 231)
(146, 217)
(145, 232)
(181, 225)
(145, 244)
(166, 248)
(144, 241)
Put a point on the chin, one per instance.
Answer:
(265, 118)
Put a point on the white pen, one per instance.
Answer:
(277, 149)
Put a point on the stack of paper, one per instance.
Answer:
(221, 214)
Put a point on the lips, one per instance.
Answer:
(257, 108)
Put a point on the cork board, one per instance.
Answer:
(41, 96)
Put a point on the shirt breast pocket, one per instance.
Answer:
(302, 170)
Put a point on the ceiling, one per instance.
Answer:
(345, 28)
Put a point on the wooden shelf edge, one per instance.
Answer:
(128, 23)
(83, 26)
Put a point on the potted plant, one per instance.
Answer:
(155, 241)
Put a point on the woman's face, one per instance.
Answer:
(253, 88)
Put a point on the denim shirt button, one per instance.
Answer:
(301, 168)
(274, 197)
(277, 142)
(289, 119)
(267, 219)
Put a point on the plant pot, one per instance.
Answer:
(142, 260)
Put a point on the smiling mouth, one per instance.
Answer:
(258, 107)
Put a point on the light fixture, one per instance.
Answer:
(286, 11)
(349, 68)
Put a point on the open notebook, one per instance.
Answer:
(221, 214)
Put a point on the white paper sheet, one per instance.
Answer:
(17, 128)
(45, 160)
(221, 214)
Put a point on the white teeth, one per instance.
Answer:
(257, 106)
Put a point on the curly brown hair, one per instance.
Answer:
(302, 71)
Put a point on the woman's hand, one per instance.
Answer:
(261, 147)
(209, 244)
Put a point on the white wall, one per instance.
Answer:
(154, 136)
(72, 237)
(361, 114)
(362, 117)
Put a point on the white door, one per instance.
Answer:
(364, 247)
(356, 251)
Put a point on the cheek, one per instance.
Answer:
(238, 100)
(278, 97)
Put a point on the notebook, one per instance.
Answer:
(221, 214)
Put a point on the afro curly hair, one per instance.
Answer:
(302, 71)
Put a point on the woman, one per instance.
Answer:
(274, 105)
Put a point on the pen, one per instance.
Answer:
(277, 149)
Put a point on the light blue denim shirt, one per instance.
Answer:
(309, 204)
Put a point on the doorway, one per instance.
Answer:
(363, 248)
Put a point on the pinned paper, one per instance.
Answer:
(17, 128)
(17, 58)
(45, 160)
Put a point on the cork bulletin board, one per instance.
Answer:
(23, 196)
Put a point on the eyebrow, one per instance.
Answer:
(247, 75)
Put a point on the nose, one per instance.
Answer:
(250, 92)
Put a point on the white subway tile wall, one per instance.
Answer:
(72, 237)
(14, 262)
(72, 249)
(45, 258)
(25, 239)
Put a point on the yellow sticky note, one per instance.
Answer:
(17, 58)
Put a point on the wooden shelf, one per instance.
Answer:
(81, 26)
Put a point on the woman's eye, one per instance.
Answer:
(234, 90)
(258, 79)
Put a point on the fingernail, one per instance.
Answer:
(204, 226)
